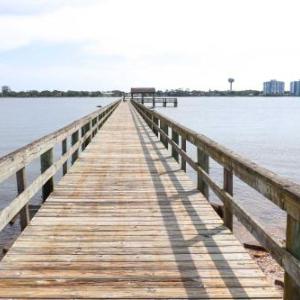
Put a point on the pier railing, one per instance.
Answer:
(282, 192)
(164, 101)
(77, 134)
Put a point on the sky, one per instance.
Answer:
(118, 44)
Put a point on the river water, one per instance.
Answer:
(266, 130)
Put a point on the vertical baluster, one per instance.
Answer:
(152, 121)
(228, 187)
(89, 128)
(175, 138)
(291, 289)
(203, 162)
(156, 123)
(83, 131)
(96, 126)
(183, 147)
(74, 140)
(46, 163)
(99, 121)
(64, 149)
(165, 129)
(21, 186)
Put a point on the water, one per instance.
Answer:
(23, 120)
(265, 130)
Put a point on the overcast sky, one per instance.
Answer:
(116, 44)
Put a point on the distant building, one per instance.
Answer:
(142, 91)
(5, 89)
(273, 87)
(295, 88)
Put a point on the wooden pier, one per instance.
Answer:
(156, 101)
(126, 222)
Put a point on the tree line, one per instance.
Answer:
(56, 93)
(7, 92)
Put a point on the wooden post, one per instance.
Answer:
(46, 163)
(227, 209)
(291, 289)
(175, 102)
(74, 140)
(83, 132)
(203, 162)
(153, 101)
(101, 117)
(21, 186)
(183, 147)
(152, 120)
(165, 129)
(64, 149)
(94, 131)
(89, 128)
(156, 123)
(175, 138)
(164, 102)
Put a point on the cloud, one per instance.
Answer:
(25, 7)
(196, 42)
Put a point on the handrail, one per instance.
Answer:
(154, 100)
(284, 193)
(79, 132)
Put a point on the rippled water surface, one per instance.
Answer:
(23, 120)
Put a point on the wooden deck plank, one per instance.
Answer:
(126, 222)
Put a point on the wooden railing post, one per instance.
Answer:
(99, 121)
(21, 186)
(291, 289)
(227, 208)
(74, 140)
(203, 162)
(89, 128)
(175, 138)
(183, 147)
(152, 120)
(156, 123)
(46, 163)
(83, 132)
(64, 149)
(165, 129)
(95, 130)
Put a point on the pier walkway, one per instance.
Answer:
(127, 222)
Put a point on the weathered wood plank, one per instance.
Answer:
(21, 186)
(126, 222)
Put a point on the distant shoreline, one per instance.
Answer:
(182, 96)
(119, 93)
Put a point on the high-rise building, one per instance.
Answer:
(273, 87)
(5, 89)
(295, 88)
